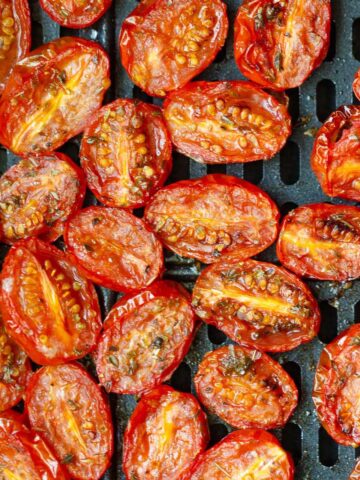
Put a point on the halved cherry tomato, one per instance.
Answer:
(146, 337)
(356, 88)
(166, 43)
(226, 122)
(49, 309)
(336, 154)
(321, 241)
(355, 475)
(52, 94)
(114, 248)
(336, 388)
(75, 13)
(212, 215)
(126, 153)
(37, 195)
(256, 304)
(279, 43)
(68, 409)
(244, 454)
(165, 434)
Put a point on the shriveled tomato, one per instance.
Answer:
(75, 13)
(336, 154)
(166, 43)
(52, 94)
(321, 241)
(68, 409)
(356, 87)
(336, 388)
(13, 415)
(226, 122)
(245, 454)
(126, 153)
(279, 43)
(165, 434)
(355, 474)
(49, 309)
(212, 215)
(37, 195)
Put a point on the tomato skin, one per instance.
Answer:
(74, 73)
(356, 84)
(245, 123)
(147, 163)
(269, 55)
(186, 45)
(182, 419)
(79, 16)
(355, 474)
(336, 385)
(321, 241)
(335, 158)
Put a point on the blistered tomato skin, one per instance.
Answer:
(279, 44)
(321, 241)
(69, 411)
(356, 84)
(163, 46)
(213, 215)
(335, 157)
(166, 433)
(75, 14)
(126, 153)
(226, 122)
(52, 94)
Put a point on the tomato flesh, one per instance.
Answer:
(75, 13)
(356, 84)
(355, 474)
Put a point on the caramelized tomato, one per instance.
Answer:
(355, 475)
(75, 13)
(226, 122)
(165, 434)
(126, 153)
(52, 94)
(49, 309)
(356, 87)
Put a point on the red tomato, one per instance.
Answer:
(226, 122)
(166, 43)
(126, 153)
(49, 309)
(256, 304)
(37, 195)
(75, 13)
(212, 215)
(356, 87)
(114, 248)
(165, 434)
(279, 43)
(68, 409)
(246, 454)
(336, 388)
(355, 475)
(321, 241)
(13, 415)
(52, 94)
(336, 154)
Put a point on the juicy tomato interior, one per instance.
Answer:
(75, 13)
(356, 84)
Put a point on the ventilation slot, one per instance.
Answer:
(290, 163)
(326, 102)
(328, 328)
(217, 337)
(328, 449)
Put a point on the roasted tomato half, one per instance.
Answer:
(126, 153)
(75, 13)
(165, 434)
(356, 87)
(244, 454)
(226, 122)
(355, 474)
(165, 44)
(215, 214)
(257, 304)
(321, 241)
(68, 409)
(49, 309)
(37, 195)
(52, 94)
(114, 248)
(336, 154)
(279, 43)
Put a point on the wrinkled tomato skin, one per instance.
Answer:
(178, 417)
(163, 46)
(71, 413)
(336, 387)
(78, 16)
(48, 308)
(242, 216)
(256, 304)
(52, 94)
(226, 122)
(355, 474)
(335, 158)
(356, 84)
(126, 153)
(270, 37)
(321, 241)
(13, 415)
(252, 451)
